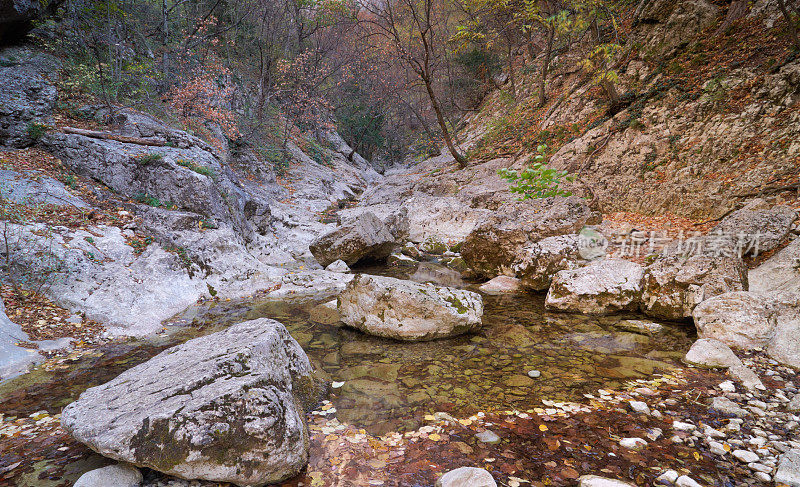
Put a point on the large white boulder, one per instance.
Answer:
(226, 407)
(543, 259)
(602, 287)
(365, 236)
(406, 310)
(739, 319)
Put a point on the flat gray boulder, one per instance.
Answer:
(226, 407)
(781, 272)
(466, 477)
(739, 319)
(602, 287)
(406, 310)
(364, 237)
(13, 358)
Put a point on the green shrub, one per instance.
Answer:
(147, 159)
(146, 199)
(36, 130)
(202, 170)
(537, 181)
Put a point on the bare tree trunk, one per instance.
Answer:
(551, 33)
(462, 161)
(792, 27)
(511, 76)
(165, 42)
(736, 11)
(611, 93)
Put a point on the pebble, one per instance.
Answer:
(534, 374)
(680, 426)
(640, 407)
(717, 448)
(488, 436)
(728, 386)
(745, 456)
(764, 477)
(474, 477)
(667, 478)
(632, 443)
(686, 481)
(712, 433)
(654, 433)
(759, 467)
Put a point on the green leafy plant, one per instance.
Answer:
(36, 130)
(202, 170)
(153, 201)
(538, 180)
(147, 159)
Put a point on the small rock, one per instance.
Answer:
(501, 285)
(745, 456)
(717, 448)
(794, 404)
(686, 481)
(640, 407)
(534, 374)
(338, 266)
(632, 443)
(711, 353)
(667, 478)
(764, 477)
(595, 481)
(727, 386)
(654, 433)
(488, 436)
(728, 407)
(680, 426)
(759, 467)
(466, 477)
(747, 377)
(712, 433)
(111, 476)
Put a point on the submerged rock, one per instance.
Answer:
(111, 476)
(501, 285)
(595, 481)
(226, 407)
(739, 319)
(500, 240)
(604, 286)
(466, 477)
(406, 310)
(365, 236)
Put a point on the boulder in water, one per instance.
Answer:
(364, 237)
(226, 407)
(406, 310)
(604, 286)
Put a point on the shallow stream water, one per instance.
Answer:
(390, 385)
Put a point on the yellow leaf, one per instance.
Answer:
(542, 427)
(465, 422)
(434, 437)
(696, 455)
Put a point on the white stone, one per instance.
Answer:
(727, 386)
(667, 478)
(739, 319)
(681, 426)
(789, 469)
(707, 352)
(745, 456)
(640, 407)
(338, 266)
(595, 481)
(111, 476)
(717, 448)
(632, 443)
(686, 481)
(602, 287)
(466, 477)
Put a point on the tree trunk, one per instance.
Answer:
(736, 11)
(165, 42)
(611, 93)
(548, 51)
(792, 27)
(462, 161)
(511, 76)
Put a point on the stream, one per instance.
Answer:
(391, 386)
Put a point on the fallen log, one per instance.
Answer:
(109, 136)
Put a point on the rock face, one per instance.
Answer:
(678, 281)
(366, 236)
(13, 358)
(226, 407)
(498, 242)
(758, 227)
(604, 286)
(466, 477)
(739, 319)
(27, 96)
(405, 310)
(778, 273)
(542, 260)
(111, 476)
(784, 345)
(670, 25)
